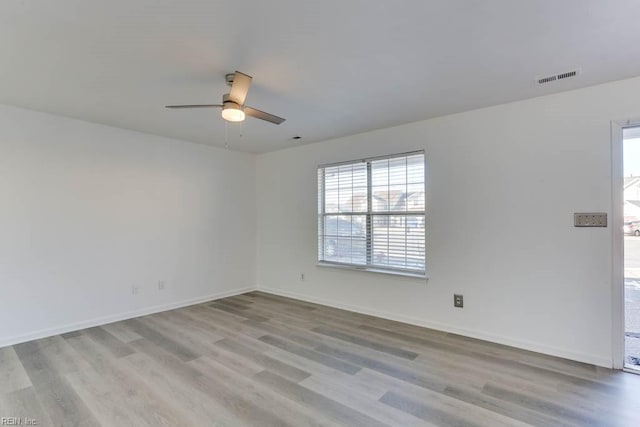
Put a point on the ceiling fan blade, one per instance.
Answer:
(194, 106)
(263, 116)
(240, 87)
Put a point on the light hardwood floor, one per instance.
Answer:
(262, 360)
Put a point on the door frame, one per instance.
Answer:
(617, 239)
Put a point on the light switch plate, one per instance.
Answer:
(591, 219)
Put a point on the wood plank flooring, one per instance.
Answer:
(262, 360)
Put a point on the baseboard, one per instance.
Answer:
(525, 345)
(43, 333)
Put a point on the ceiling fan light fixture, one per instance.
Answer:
(232, 112)
(233, 107)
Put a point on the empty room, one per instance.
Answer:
(328, 213)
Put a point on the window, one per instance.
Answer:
(371, 214)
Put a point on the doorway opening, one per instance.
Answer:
(631, 230)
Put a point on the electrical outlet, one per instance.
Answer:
(458, 300)
(593, 219)
(135, 290)
(161, 285)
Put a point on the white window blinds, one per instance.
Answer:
(371, 213)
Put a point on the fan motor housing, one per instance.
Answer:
(227, 101)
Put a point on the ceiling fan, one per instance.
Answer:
(233, 108)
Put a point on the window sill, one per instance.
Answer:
(406, 274)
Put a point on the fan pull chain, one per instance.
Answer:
(241, 128)
(226, 134)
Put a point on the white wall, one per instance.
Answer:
(503, 184)
(88, 211)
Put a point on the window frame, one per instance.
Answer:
(369, 214)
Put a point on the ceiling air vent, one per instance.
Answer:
(547, 79)
(555, 77)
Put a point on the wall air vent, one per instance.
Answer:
(556, 77)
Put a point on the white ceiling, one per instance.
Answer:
(331, 68)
